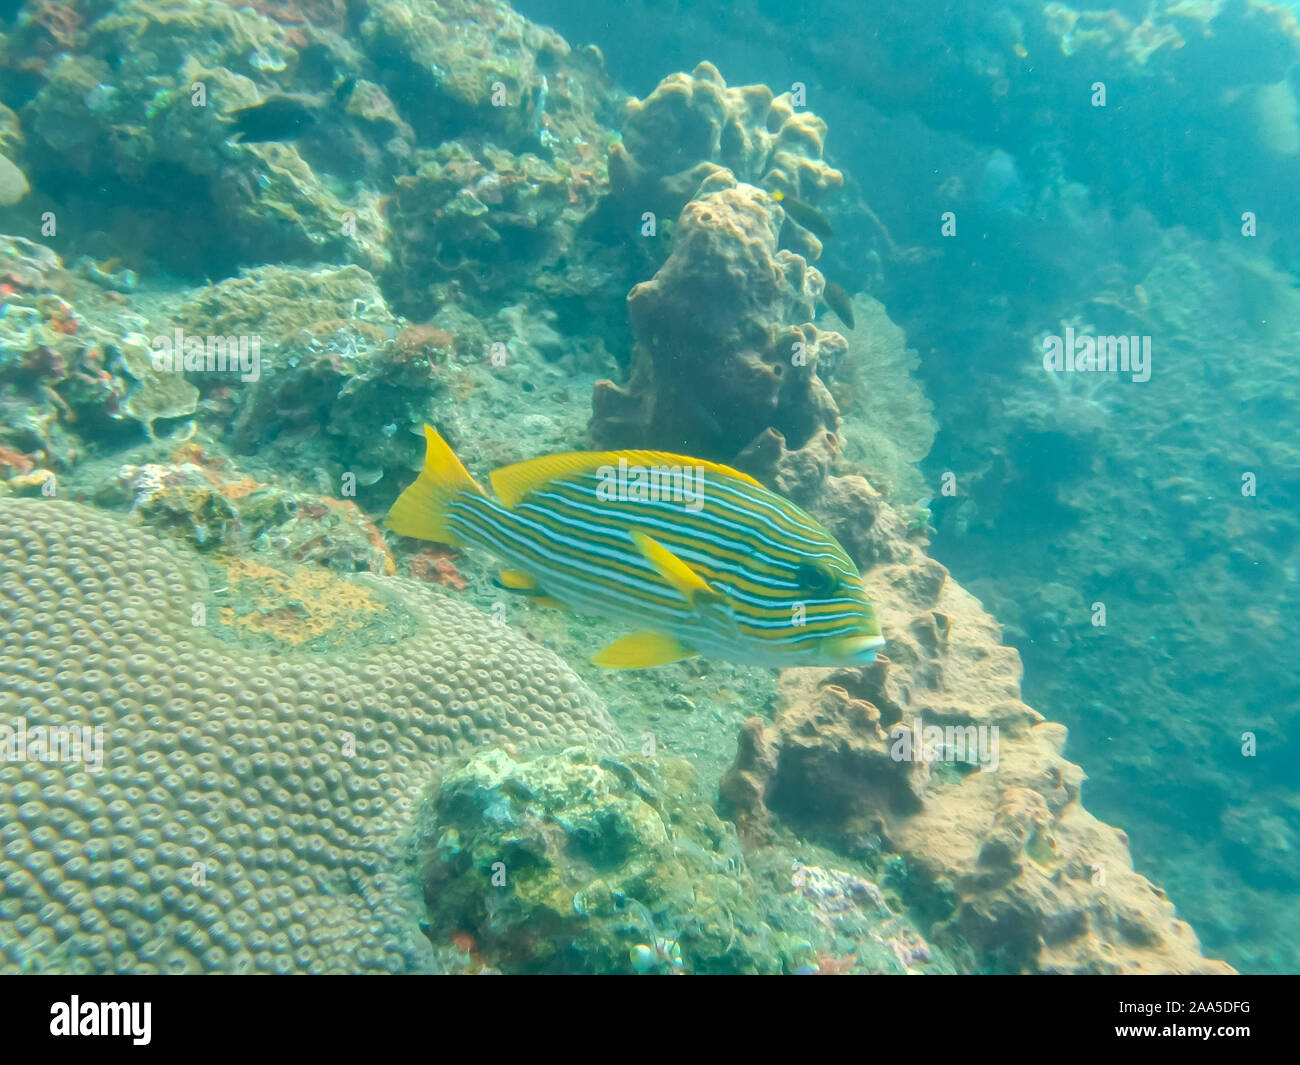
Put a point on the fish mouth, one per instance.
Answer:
(856, 650)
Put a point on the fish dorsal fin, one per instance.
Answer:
(642, 649)
(689, 584)
(514, 482)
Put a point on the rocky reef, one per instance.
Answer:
(726, 353)
(580, 864)
(476, 229)
(931, 754)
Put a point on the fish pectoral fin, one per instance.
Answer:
(643, 649)
(689, 584)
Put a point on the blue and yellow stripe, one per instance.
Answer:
(731, 569)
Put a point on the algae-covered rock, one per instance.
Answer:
(155, 131)
(579, 863)
(275, 302)
(481, 221)
(60, 363)
(330, 367)
(693, 124)
(566, 863)
(157, 393)
(208, 502)
(458, 65)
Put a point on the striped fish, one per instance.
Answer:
(700, 557)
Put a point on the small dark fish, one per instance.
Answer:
(838, 301)
(344, 88)
(805, 214)
(277, 118)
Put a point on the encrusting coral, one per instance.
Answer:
(692, 125)
(257, 769)
(726, 356)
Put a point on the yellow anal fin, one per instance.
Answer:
(689, 584)
(643, 649)
(421, 511)
(513, 580)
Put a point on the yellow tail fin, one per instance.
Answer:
(421, 511)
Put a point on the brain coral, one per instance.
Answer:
(252, 793)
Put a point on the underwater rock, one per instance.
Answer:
(210, 504)
(444, 61)
(728, 317)
(63, 372)
(576, 863)
(275, 302)
(140, 130)
(331, 367)
(179, 499)
(597, 856)
(930, 753)
(13, 183)
(481, 222)
(266, 731)
(157, 393)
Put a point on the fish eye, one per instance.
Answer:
(815, 579)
